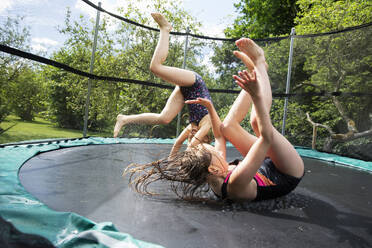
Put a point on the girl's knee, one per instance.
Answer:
(228, 125)
(230, 121)
(164, 120)
(225, 125)
(253, 122)
(155, 68)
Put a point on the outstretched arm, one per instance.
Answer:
(247, 169)
(180, 139)
(220, 141)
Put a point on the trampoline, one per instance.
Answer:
(331, 206)
(71, 193)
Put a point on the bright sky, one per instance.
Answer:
(43, 16)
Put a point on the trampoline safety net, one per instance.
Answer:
(326, 106)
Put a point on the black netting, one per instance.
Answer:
(338, 62)
(330, 83)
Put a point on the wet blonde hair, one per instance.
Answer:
(186, 171)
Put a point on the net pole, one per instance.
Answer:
(183, 67)
(87, 102)
(288, 84)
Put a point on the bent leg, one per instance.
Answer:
(239, 109)
(173, 106)
(281, 151)
(285, 156)
(231, 128)
(170, 74)
(253, 57)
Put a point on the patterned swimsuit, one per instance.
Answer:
(198, 89)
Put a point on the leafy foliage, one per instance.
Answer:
(317, 16)
(339, 62)
(26, 95)
(13, 33)
(336, 62)
(262, 19)
(125, 53)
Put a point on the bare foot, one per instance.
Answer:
(259, 63)
(120, 122)
(250, 48)
(162, 22)
(246, 60)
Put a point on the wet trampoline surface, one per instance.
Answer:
(332, 206)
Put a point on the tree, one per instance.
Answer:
(13, 34)
(25, 96)
(258, 19)
(339, 62)
(262, 19)
(125, 53)
(328, 63)
(318, 16)
(68, 91)
(138, 46)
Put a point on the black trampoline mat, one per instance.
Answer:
(332, 206)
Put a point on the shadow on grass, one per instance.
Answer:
(6, 129)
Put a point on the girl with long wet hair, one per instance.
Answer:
(271, 166)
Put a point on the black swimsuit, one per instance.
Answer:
(271, 183)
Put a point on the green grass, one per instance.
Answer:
(18, 130)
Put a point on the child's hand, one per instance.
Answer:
(202, 101)
(248, 81)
